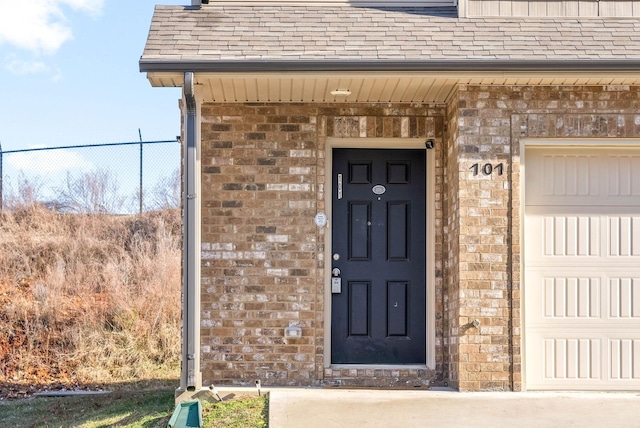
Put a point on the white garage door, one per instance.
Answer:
(582, 268)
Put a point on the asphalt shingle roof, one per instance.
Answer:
(353, 34)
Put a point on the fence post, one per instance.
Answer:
(141, 145)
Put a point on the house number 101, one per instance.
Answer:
(486, 169)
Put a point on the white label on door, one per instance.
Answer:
(379, 189)
(336, 285)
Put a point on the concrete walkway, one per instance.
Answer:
(328, 408)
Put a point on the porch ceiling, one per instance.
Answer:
(369, 87)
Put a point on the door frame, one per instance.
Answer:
(551, 143)
(390, 144)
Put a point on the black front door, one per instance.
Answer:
(378, 302)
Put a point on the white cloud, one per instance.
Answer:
(21, 67)
(47, 161)
(40, 25)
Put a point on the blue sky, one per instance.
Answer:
(69, 75)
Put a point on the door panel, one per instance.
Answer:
(397, 316)
(359, 313)
(359, 231)
(398, 229)
(379, 239)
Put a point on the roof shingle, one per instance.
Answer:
(353, 34)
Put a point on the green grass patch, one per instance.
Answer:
(134, 409)
(241, 412)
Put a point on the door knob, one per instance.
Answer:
(335, 272)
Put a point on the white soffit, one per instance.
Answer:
(369, 88)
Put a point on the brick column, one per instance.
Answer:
(482, 150)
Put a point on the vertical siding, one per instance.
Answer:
(550, 8)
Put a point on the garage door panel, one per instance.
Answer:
(571, 235)
(565, 174)
(593, 178)
(562, 294)
(624, 297)
(624, 355)
(564, 235)
(582, 268)
(624, 176)
(578, 357)
(624, 236)
(560, 235)
(583, 361)
(571, 297)
(572, 358)
(555, 296)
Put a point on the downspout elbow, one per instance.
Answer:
(189, 92)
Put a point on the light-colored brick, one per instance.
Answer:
(262, 235)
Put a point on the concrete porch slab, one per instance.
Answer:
(327, 408)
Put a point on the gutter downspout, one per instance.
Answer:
(191, 377)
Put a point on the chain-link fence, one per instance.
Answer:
(114, 178)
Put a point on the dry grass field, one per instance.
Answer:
(87, 299)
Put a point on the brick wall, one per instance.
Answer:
(262, 255)
(491, 121)
(259, 243)
(263, 180)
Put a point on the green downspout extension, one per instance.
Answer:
(186, 415)
(191, 378)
